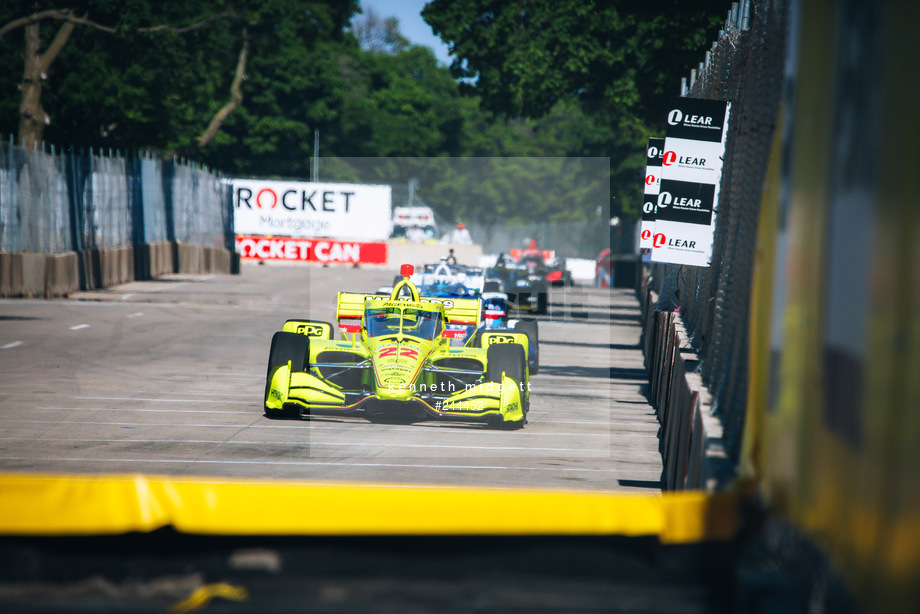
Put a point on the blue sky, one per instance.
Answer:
(411, 24)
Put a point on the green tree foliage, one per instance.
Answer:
(294, 86)
(102, 71)
(402, 105)
(125, 80)
(525, 56)
(544, 80)
(495, 189)
(599, 73)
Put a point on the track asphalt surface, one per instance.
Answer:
(165, 377)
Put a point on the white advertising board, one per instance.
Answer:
(654, 155)
(687, 160)
(691, 174)
(344, 211)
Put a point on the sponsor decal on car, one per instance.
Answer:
(310, 330)
(501, 339)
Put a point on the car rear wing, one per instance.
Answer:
(466, 311)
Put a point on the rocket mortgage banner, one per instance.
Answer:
(344, 211)
(691, 173)
(311, 250)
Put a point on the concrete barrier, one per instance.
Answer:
(189, 260)
(10, 274)
(153, 260)
(161, 259)
(116, 266)
(691, 438)
(62, 275)
(29, 275)
(196, 259)
(33, 275)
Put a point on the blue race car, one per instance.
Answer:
(447, 279)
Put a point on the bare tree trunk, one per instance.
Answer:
(32, 117)
(236, 97)
(31, 113)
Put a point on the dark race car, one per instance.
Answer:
(527, 291)
(544, 263)
(552, 269)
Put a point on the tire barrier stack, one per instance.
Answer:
(690, 441)
(74, 221)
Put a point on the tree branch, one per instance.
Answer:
(24, 21)
(66, 15)
(236, 97)
(60, 39)
(189, 28)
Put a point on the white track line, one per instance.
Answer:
(10, 346)
(345, 444)
(255, 414)
(155, 411)
(339, 464)
(148, 400)
(304, 426)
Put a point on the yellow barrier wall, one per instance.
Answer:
(833, 427)
(105, 505)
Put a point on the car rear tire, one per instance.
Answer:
(542, 302)
(529, 328)
(285, 347)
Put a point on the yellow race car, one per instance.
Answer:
(400, 356)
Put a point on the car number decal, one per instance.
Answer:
(411, 353)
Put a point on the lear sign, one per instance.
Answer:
(346, 211)
(691, 173)
(654, 153)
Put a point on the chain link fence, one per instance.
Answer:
(56, 202)
(33, 197)
(745, 66)
(201, 207)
